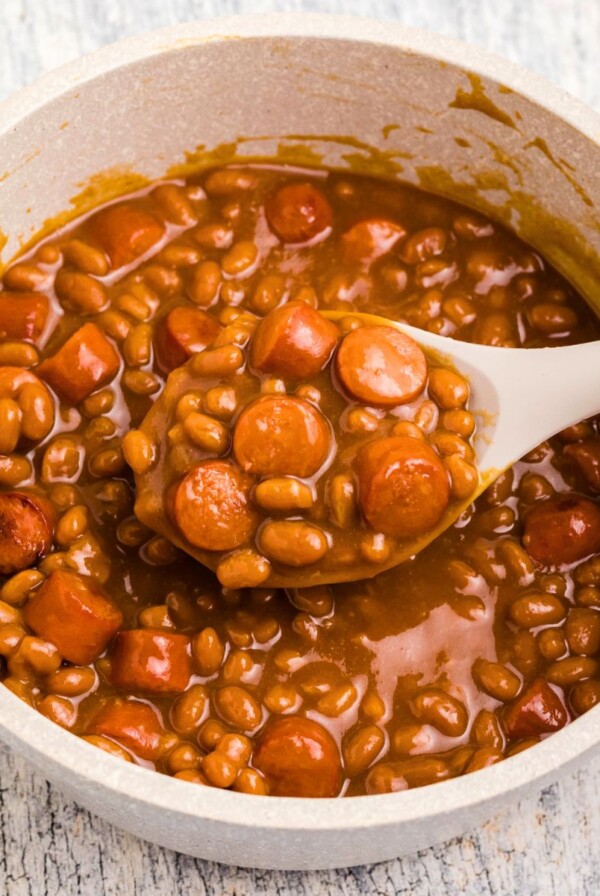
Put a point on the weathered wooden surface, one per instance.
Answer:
(548, 845)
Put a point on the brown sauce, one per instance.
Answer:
(467, 654)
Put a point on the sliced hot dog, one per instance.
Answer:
(133, 724)
(23, 315)
(403, 486)
(293, 341)
(298, 757)
(86, 361)
(211, 506)
(298, 212)
(75, 614)
(151, 660)
(279, 435)
(561, 530)
(381, 366)
(182, 333)
(124, 232)
(26, 530)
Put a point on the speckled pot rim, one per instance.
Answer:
(43, 742)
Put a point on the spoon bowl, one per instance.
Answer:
(519, 398)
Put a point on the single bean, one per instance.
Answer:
(138, 451)
(238, 707)
(553, 644)
(18, 354)
(496, 680)
(220, 770)
(282, 698)
(213, 236)
(72, 681)
(463, 476)
(218, 361)
(189, 710)
(268, 293)
(183, 757)
(449, 390)
(58, 709)
(536, 608)
(486, 730)
(417, 771)
(208, 651)
(250, 781)
(155, 617)
(208, 434)
(80, 293)
(72, 524)
(210, 733)
(85, 257)
(10, 425)
(137, 347)
(584, 695)
(426, 417)
(175, 204)
(226, 181)
(141, 382)
(26, 277)
(582, 631)
(293, 543)
(362, 748)
(220, 401)
(243, 569)
(206, 284)
(283, 494)
(571, 670)
(441, 710)
(241, 259)
(483, 758)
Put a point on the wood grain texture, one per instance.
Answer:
(547, 845)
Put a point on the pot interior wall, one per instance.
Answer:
(378, 109)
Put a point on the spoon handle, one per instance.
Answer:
(533, 394)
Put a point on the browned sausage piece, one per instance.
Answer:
(298, 212)
(293, 341)
(73, 613)
(211, 506)
(182, 333)
(403, 486)
(132, 723)
(368, 240)
(151, 660)
(539, 710)
(381, 366)
(298, 757)
(124, 232)
(26, 530)
(279, 435)
(562, 530)
(22, 315)
(86, 361)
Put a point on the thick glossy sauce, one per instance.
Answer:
(395, 668)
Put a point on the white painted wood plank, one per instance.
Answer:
(547, 845)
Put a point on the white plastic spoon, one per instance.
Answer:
(519, 397)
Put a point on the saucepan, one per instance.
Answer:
(350, 93)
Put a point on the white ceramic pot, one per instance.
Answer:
(428, 110)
